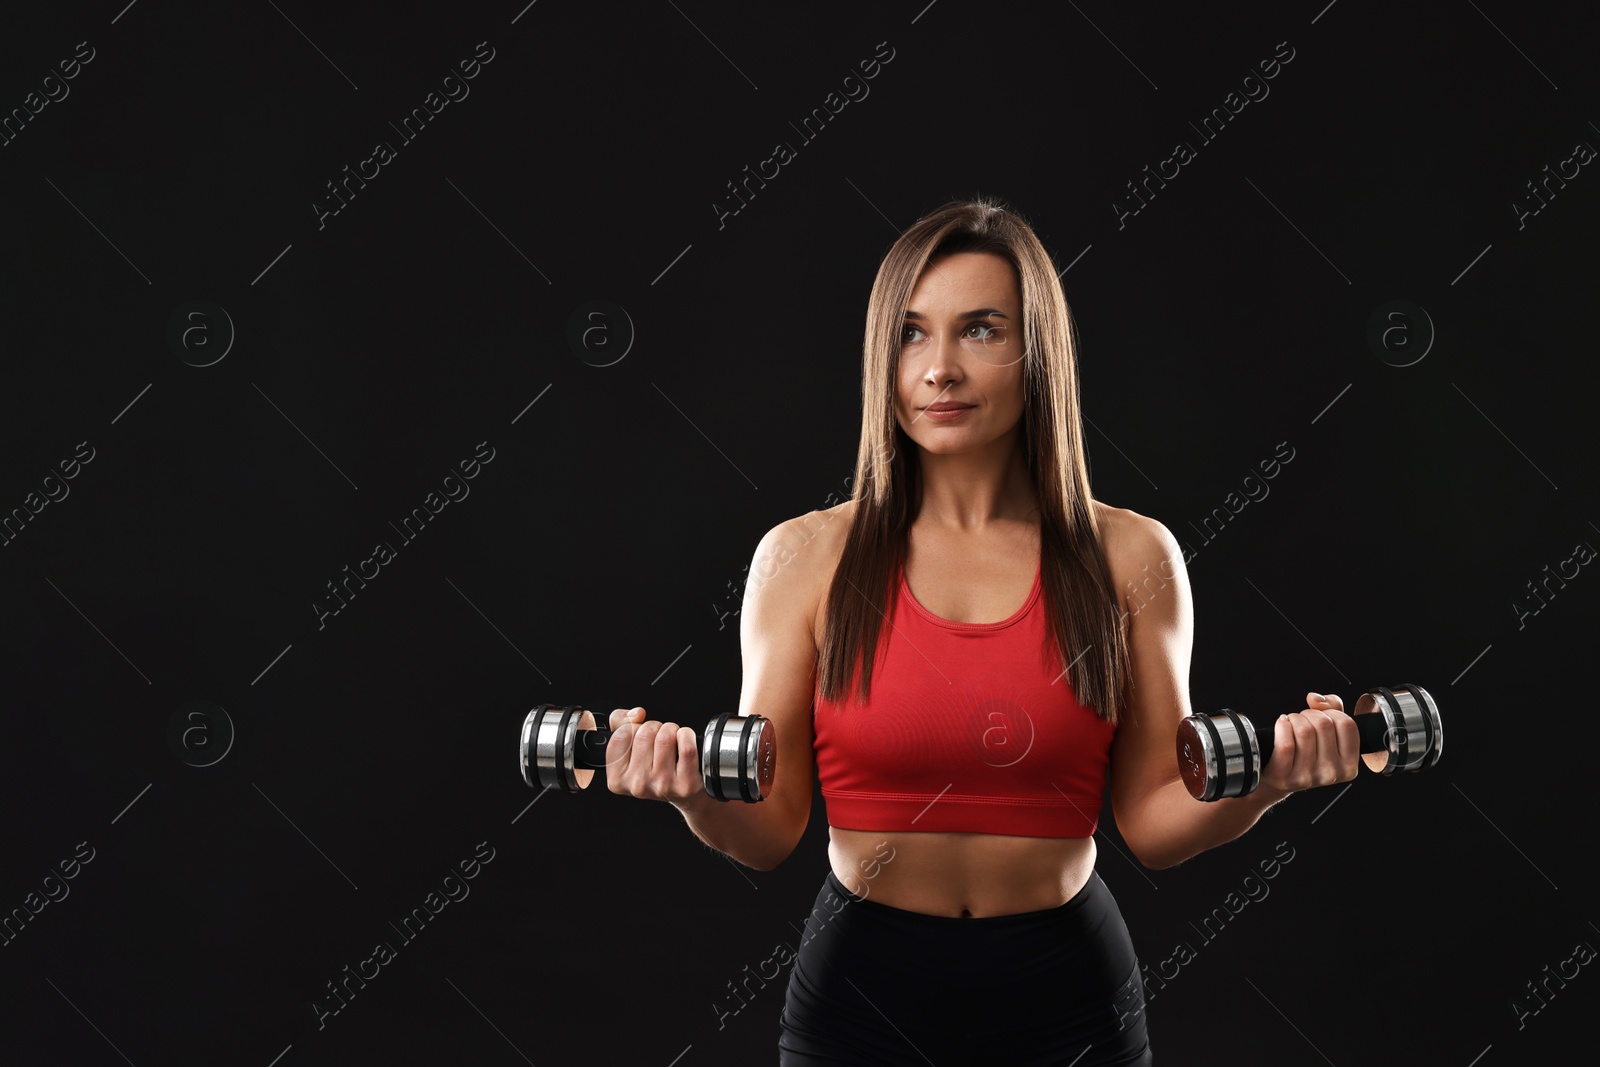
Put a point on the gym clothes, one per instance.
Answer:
(879, 985)
(971, 727)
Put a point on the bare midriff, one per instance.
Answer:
(961, 875)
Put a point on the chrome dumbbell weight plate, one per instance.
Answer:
(1413, 734)
(550, 756)
(738, 757)
(1219, 755)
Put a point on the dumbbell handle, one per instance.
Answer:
(589, 751)
(1370, 727)
(589, 746)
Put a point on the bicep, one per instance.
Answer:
(779, 659)
(1160, 609)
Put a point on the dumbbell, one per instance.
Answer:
(562, 748)
(1222, 755)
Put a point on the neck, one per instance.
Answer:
(967, 492)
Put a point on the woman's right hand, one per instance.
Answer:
(652, 760)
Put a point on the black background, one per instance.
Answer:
(599, 557)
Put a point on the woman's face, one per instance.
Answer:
(961, 343)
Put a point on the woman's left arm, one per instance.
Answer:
(1162, 824)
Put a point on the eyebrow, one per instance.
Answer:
(978, 314)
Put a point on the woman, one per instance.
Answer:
(962, 740)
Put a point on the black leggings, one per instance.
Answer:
(879, 985)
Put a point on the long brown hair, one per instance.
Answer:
(1084, 620)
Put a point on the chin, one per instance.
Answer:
(944, 447)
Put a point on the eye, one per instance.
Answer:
(991, 332)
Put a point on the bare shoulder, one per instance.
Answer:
(1132, 542)
(1112, 523)
(797, 559)
(804, 546)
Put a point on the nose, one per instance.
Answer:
(944, 365)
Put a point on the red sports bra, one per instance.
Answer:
(970, 728)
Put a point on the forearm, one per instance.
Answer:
(1173, 826)
(748, 833)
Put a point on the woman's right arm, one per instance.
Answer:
(780, 658)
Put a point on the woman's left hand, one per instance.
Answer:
(1317, 746)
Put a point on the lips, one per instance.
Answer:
(947, 405)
